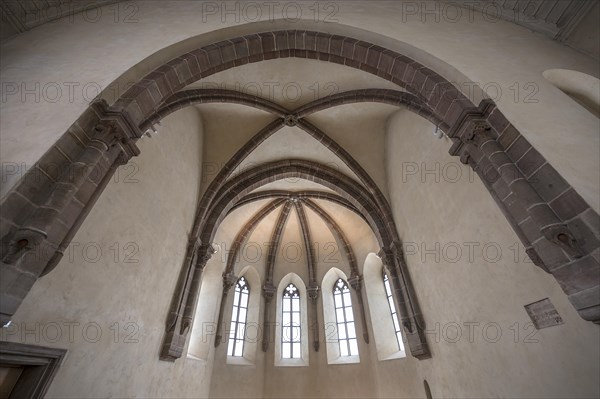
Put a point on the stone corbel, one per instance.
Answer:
(129, 130)
(477, 132)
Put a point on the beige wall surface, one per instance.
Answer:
(482, 340)
(107, 300)
(50, 74)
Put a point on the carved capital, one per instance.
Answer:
(194, 242)
(397, 248)
(204, 253)
(313, 291)
(229, 280)
(355, 282)
(390, 253)
(105, 132)
(128, 128)
(386, 256)
(269, 291)
(464, 156)
(123, 158)
(476, 132)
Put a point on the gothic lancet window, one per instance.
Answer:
(390, 299)
(291, 328)
(238, 318)
(345, 319)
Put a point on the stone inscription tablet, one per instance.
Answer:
(543, 314)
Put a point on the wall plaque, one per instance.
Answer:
(543, 314)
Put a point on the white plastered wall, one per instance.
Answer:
(95, 54)
(473, 278)
(109, 297)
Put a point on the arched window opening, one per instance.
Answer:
(385, 316)
(390, 299)
(346, 328)
(238, 318)
(291, 337)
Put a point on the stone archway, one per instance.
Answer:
(46, 208)
(234, 190)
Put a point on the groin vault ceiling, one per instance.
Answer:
(308, 223)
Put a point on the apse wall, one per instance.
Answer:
(473, 278)
(264, 378)
(108, 299)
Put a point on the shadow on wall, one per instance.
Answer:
(427, 390)
(582, 88)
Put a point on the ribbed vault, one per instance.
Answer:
(284, 203)
(482, 137)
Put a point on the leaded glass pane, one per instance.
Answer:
(291, 328)
(239, 313)
(345, 319)
(390, 298)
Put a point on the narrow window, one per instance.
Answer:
(345, 319)
(390, 299)
(238, 318)
(291, 333)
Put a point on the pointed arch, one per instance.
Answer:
(481, 136)
(275, 239)
(303, 360)
(186, 98)
(355, 276)
(337, 232)
(251, 179)
(252, 328)
(334, 355)
(243, 235)
(313, 286)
